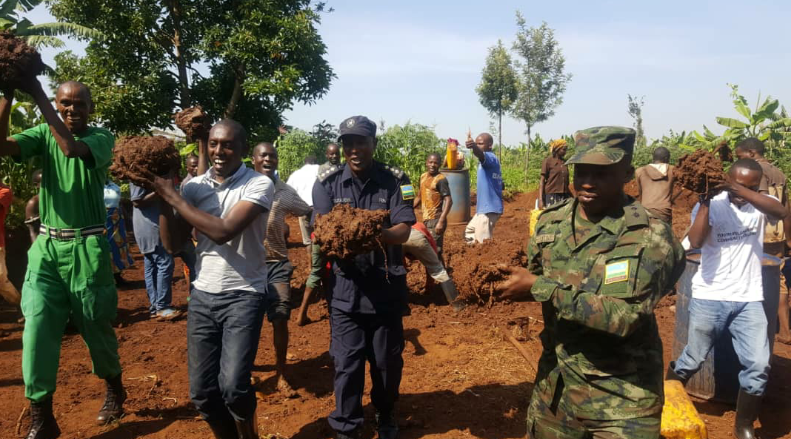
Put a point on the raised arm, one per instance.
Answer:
(769, 206)
(219, 230)
(68, 145)
(8, 145)
(700, 228)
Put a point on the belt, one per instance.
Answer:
(67, 234)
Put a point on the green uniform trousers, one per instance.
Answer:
(559, 422)
(67, 279)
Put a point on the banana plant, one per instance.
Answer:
(764, 122)
(39, 35)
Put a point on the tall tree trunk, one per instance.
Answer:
(181, 62)
(500, 135)
(236, 95)
(527, 155)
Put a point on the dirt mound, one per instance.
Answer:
(155, 154)
(18, 60)
(193, 121)
(348, 231)
(700, 172)
(474, 267)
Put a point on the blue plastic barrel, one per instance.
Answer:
(459, 182)
(718, 378)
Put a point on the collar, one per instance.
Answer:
(209, 176)
(630, 216)
(375, 175)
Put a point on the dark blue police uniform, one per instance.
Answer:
(365, 295)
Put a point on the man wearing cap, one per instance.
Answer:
(367, 293)
(69, 276)
(489, 204)
(598, 264)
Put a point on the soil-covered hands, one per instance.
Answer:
(518, 284)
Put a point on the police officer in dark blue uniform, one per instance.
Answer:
(367, 293)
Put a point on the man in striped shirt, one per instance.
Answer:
(279, 269)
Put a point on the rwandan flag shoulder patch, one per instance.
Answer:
(407, 192)
(616, 272)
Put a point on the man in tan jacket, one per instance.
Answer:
(655, 185)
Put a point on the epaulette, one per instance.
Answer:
(558, 205)
(635, 215)
(394, 170)
(334, 169)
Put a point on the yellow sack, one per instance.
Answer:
(680, 420)
(534, 214)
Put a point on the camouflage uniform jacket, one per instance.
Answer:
(600, 341)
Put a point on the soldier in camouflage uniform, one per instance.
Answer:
(598, 264)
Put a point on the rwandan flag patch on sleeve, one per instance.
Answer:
(407, 192)
(616, 272)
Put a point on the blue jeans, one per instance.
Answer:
(746, 322)
(159, 266)
(222, 341)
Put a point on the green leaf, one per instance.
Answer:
(731, 123)
(188, 149)
(67, 29)
(708, 133)
(743, 110)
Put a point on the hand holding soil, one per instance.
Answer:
(348, 231)
(518, 283)
(140, 158)
(194, 122)
(700, 172)
(19, 63)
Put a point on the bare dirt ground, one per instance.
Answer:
(460, 378)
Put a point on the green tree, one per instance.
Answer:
(38, 35)
(498, 88)
(262, 56)
(542, 78)
(636, 113)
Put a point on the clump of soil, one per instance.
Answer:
(700, 172)
(193, 121)
(347, 231)
(474, 268)
(724, 152)
(18, 60)
(154, 154)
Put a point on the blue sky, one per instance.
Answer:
(420, 61)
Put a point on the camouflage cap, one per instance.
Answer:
(603, 146)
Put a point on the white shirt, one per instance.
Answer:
(302, 180)
(239, 264)
(730, 264)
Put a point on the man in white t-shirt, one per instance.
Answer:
(727, 289)
(228, 206)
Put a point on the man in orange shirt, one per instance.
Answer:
(434, 199)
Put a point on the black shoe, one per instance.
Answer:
(43, 424)
(247, 429)
(223, 426)
(386, 425)
(746, 412)
(112, 409)
(671, 374)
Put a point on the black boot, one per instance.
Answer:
(386, 425)
(449, 288)
(42, 421)
(353, 435)
(247, 429)
(112, 409)
(746, 413)
(223, 426)
(671, 374)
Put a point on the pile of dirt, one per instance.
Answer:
(475, 267)
(155, 154)
(18, 60)
(193, 121)
(700, 172)
(348, 231)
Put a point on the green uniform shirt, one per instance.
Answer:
(72, 189)
(598, 289)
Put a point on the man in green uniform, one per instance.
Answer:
(598, 264)
(69, 273)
